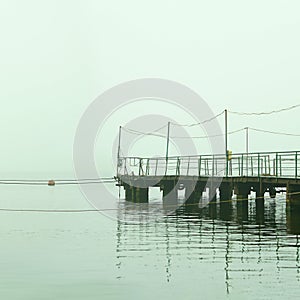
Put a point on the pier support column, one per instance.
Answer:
(141, 195)
(292, 219)
(293, 208)
(136, 194)
(293, 195)
(170, 197)
(129, 193)
(193, 193)
(225, 201)
(242, 191)
(225, 193)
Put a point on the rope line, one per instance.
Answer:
(57, 182)
(200, 123)
(144, 133)
(264, 113)
(206, 136)
(56, 210)
(136, 132)
(184, 137)
(133, 131)
(273, 132)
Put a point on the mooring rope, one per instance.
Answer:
(57, 181)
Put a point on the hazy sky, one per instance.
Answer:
(58, 56)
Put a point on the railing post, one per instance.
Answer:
(207, 167)
(280, 166)
(140, 167)
(296, 165)
(276, 164)
(147, 168)
(199, 166)
(258, 166)
(166, 170)
(178, 167)
(156, 164)
(188, 167)
(247, 164)
(265, 161)
(242, 166)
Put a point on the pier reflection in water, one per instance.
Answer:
(252, 253)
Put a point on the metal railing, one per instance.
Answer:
(271, 164)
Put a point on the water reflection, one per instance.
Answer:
(293, 219)
(259, 244)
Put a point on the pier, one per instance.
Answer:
(238, 174)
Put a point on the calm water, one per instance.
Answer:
(189, 255)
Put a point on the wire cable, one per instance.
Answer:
(144, 133)
(136, 132)
(264, 113)
(55, 210)
(274, 132)
(200, 123)
(57, 182)
(206, 136)
(173, 123)
(184, 137)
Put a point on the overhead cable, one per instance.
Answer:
(200, 123)
(263, 112)
(274, 132)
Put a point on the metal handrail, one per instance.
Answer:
(258, 164)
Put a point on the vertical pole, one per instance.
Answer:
(119, 144)
(119, 149)
(178, 167)
(226, 142)
(167, 150)
(280, 167)
(258, 166)
(168, 141)
(296, 165)
(147, 167)
(188, 167)
(247, 140)
(140, 166)
(247, 148)
(199, 166)
(276, 165)
(242, 165)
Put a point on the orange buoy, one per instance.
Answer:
(51, 182)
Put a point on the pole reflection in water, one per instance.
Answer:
(219, 243)
(293, 219)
